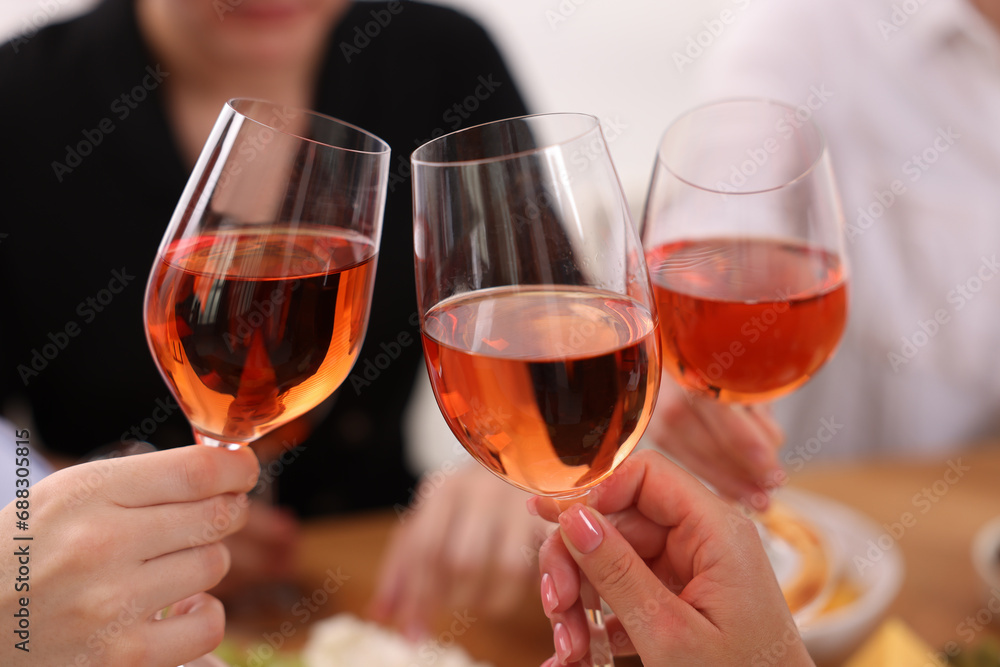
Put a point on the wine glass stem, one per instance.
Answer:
(600, 642)
(600, 654)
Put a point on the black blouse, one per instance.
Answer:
(90, 175)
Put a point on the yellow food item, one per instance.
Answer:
(804, 539)
(894, 644)
(844, 593)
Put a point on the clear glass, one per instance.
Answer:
(537, 314)
(743, 231)
(258, 301)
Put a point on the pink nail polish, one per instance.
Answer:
(582, 528)
(532, 504)
(563, 648)
(549, 598)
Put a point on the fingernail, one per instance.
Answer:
(582, 528)
(532, 504)
(561, 636)
(549, 598)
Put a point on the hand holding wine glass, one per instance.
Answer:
(537, 316)
(683, 571)
(743, 233)
(113, 543)
(258, 301)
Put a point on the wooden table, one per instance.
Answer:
(939, 591)
(940, 588)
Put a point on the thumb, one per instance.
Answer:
(633, 591)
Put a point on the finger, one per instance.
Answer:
(163, 581)
(571, 635)
(470, 548)
(414, 567)
(740, 436)
(254, 560)
(709, 462)
(271, 529)
(560, 585)
(179, 475)
(680, 431)
(764, 416)
(623, 580)
(195, 628)
(645, 535)
(544, 507)
(662, 492)
(421, 582)
(388, 587)
(175, 526)
(518, 541)
(606, 558)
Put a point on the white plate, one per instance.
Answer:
(867, 557)
(986, 556)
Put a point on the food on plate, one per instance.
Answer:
(798, 555)
(346, 641)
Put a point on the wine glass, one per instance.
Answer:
(743, 232)
(537, 315)
(258, 300)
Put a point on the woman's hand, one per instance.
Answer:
(116, 542)
(683, 571)
(467, 542)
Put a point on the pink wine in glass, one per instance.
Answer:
(253, 329)
(548, 387)
(747, 320)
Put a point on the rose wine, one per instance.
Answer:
(747, 320)
(252, 330)
(550, 387)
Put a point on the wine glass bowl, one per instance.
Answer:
(257, 303)
(537, 317)
(743, 232)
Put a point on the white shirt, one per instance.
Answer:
(11, 461)
(884, 88)
(911, 98)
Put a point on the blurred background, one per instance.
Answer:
(611, 59)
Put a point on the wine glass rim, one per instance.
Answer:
(384, 145)
(507, 156)
(821, 151)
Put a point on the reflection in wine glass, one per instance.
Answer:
(537, 316)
